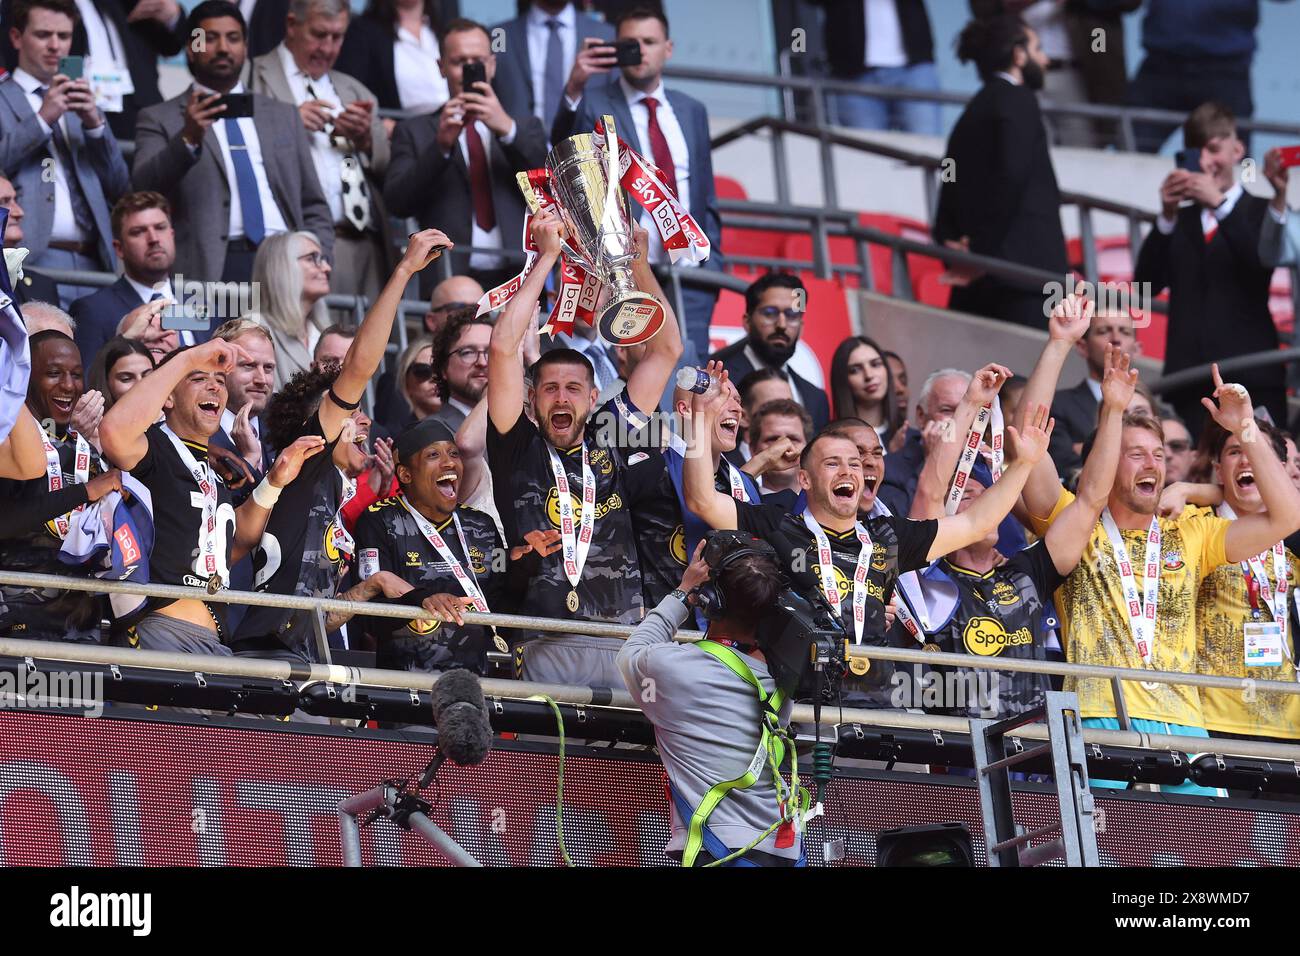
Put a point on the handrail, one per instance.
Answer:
(1238, 363)
(598, 629)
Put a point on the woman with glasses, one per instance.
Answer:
(862, 386)
(416, 381)
(291, 278)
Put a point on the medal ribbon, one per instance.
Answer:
(205, 563)
(342, 538)
(737, 484)
(575, 551)
(825, 561)
(1141, 608)
(467, 580)
(970, 450)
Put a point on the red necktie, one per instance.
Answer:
(659, 151)
(480, 184)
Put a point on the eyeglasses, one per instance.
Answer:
(449, 306)
(768, 314)
(315, 258)
(469, 355)
(1178, 446)
(421, 371)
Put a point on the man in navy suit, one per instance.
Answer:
(544, 51)
(775, 307)
(33, 286)
(56, 147)
(671, 130)
(145, 242)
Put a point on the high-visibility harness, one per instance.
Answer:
(792, 801)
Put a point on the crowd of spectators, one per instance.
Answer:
(497, 468)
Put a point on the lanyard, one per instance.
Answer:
(54, 474)
(737, 484)
(825, 560)
(206, 563)
(1258, 586)
(467, 581)
(342, 539)
(1141, 608)
(575, 551)
(970, 450)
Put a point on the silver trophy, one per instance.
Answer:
(585, 181)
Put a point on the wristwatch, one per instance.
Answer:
(680, 595)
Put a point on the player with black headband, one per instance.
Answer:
(827, 548)
(718, 715)
(449, 557)
(198, 533)
(305, 547)
(558, 483)
(666, 533)
(973, 603)
(36, 513)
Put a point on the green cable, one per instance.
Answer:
(559, 780)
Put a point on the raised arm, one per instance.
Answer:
(716, 509)
(945, 440)
(22, 454)
(471, 439)
(121, 433)
(1027, 447)
(1068, 536)
(1251, 534)
(367, 348)
(251, 516)
(1067, 324)
(505, 374)
(648, 380)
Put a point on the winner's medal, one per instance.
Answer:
(571, 602)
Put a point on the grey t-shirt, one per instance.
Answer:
(708, 724)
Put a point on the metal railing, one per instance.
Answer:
(412, 680)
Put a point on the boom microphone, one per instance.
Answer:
(460, 713)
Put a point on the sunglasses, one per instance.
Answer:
(420, 371)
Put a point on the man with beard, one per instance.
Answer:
(1156, 629)
(460, 364)
(559, 483)
(826, 548)
(667, 533)
(248, 386)
(1003, 201)
(37, 512)
(305, 548)
(443, 556)
(198, 534)
(775, 306)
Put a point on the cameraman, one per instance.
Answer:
(710, 703)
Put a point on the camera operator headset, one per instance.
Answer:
(720, 720)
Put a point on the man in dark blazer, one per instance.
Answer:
(146, 245)
(775, 311)
(455, 169)
(1075, 409)
(673, 133)
(56, 147)
(1206, 253)
(183, 150)
(533, 70)
(33, 286)
(146, 30)
(1002, 199)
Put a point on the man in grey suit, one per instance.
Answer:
(671, 130)
(231, 181)
(348, 143)
(542, 51)
(454, 170)
(56, 148)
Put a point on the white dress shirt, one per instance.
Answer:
(884, 34)
(228, 424)
(421, 86)
(104, 43)
(758, 363)
(479, 237)
(1210, 218)
(65, 227)
(272, 220)
(325, 156)
(677, 148)
(1047, 19)
(539, 37)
